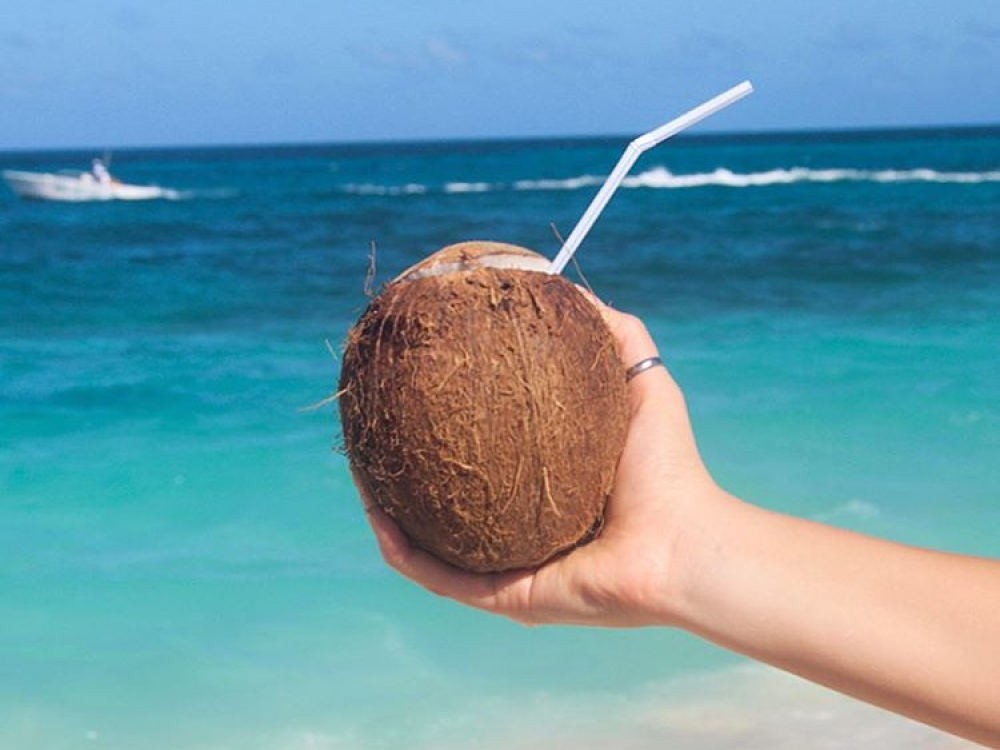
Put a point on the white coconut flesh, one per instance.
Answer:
(521, 262)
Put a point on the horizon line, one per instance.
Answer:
(762, 134)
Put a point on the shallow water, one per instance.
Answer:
(183, 559)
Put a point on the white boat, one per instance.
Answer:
(75, 185)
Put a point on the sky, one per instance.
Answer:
(122, 73)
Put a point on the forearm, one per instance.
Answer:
(915, 631)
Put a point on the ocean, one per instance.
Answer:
(185, 564)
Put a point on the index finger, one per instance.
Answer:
(501, 593)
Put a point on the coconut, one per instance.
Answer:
(483, 407)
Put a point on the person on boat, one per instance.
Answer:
(100, 172)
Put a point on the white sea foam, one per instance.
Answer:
(210, 194)
(754, 707)
(748, 707)
(468, 187)
(661, 178)
(572, 183)
(370, 189)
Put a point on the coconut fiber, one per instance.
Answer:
(484, 408)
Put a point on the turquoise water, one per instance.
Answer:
(183, 560)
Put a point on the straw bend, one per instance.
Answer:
(632, 152)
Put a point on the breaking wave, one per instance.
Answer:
(663, 179)
(369, 189)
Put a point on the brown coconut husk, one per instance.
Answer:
(484, 407)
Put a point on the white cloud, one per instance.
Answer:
(981, 31)
(429, 54)
(443, 52)
(17, 41)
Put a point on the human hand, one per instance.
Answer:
(851, 612)
(625, 576)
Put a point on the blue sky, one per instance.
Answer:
(113, 73)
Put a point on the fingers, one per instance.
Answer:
(503, 593)
(633, 339)
(421, 568)
(635, 344)
(417, 565)
(553, 592)
(508, 594)
(659, 410)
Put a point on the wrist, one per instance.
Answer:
(704, 524)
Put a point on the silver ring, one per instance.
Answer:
(642, 366)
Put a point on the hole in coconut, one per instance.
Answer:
(500, 260)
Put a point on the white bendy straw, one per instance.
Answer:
(632, 152)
